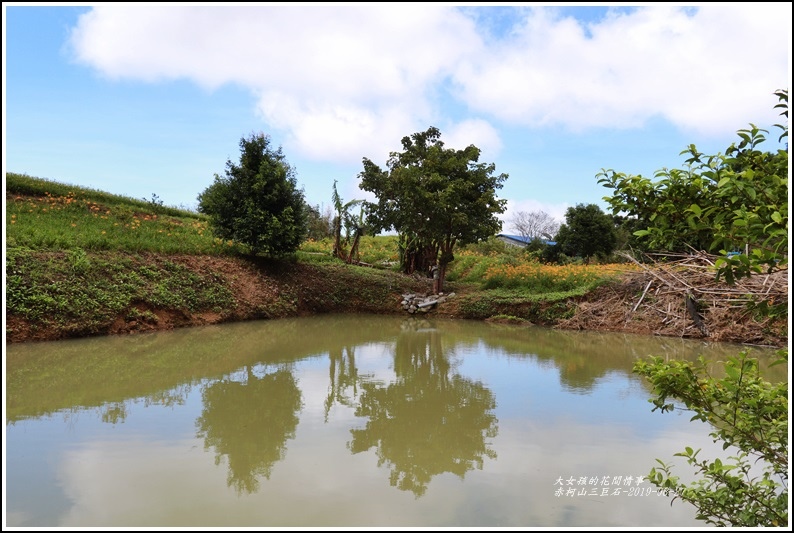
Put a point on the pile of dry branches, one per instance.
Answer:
(679, 295)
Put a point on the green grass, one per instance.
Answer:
(46, 215)
(87, 291)
(22, 184)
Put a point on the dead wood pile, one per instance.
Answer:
(678, 295)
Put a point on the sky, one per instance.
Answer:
(151, 99)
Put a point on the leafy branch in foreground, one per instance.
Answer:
(733, 204)
(746, 412)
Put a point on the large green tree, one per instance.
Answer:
(587, 231)
(722, 203)
(434, 198)
(258, 202)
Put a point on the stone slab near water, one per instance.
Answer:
(420, 303)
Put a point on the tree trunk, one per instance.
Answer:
(439, 272)
(338, 252)
(419, 258)
(444, 259)
(354, 248)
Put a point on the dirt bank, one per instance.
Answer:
(271, 289)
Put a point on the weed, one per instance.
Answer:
(78, 260)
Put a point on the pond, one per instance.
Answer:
(345, 421)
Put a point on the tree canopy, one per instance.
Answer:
(434, 198)
(723, 203)
(587, 231)
(257, 203)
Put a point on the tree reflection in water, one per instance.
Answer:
(249, 422)
(430, 420)
(343, 375)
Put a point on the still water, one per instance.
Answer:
(336, 421)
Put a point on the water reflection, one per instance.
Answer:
(45, 377)
(429, 420)
(248, 422)
(243, 424)
(343, 378)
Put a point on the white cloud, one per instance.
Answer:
(342, 82)
(478, 132)
(342, 132)
(705, 70)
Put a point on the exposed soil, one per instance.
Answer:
(261, 289)
(275, 290)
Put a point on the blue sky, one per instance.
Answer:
(153, 98)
